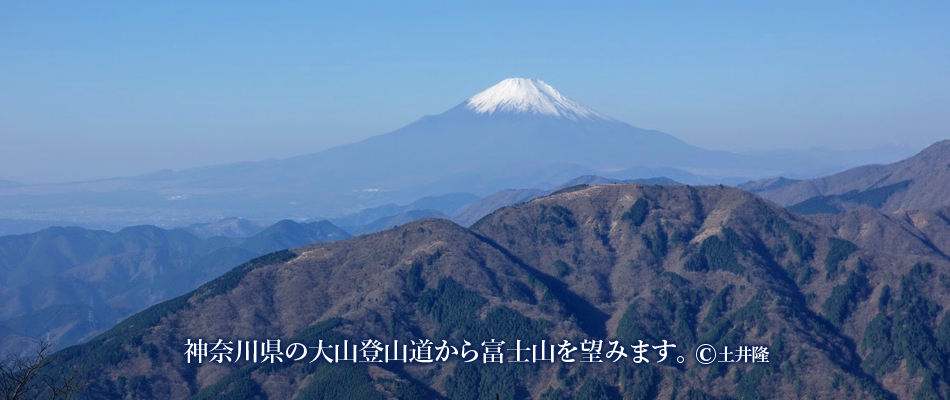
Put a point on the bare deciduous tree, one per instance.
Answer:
(28, 377)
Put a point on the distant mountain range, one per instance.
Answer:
(385, 216)
(850, 306)
(921, 182)
(520, 133)
(233, 227)
(69, 284)
(829, 161)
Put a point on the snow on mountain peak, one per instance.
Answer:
(529, 96)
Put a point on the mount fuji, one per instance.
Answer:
(528, 96)
(517, 133)
(518, 123)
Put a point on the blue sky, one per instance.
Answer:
(99, 89)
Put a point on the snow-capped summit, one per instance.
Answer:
(529, 96)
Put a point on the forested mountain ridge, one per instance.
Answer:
(850, 306)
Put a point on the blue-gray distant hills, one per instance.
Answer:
(70, 283)
(921, 182)
(67, 284)
(519, 133)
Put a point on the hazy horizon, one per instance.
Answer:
(100, 91)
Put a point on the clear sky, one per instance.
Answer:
(99, 89)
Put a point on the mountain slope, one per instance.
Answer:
(227, 227)
(289, 234)
(445, 204)
(475, 211)
(69, 284)
(393, 221)
(462, 208)
(472, 213)
(917, 183)
(850, 306)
